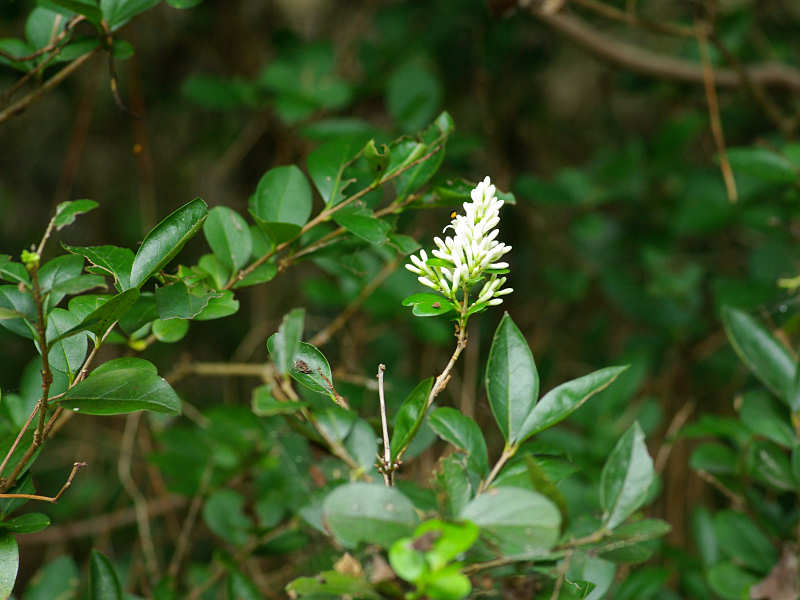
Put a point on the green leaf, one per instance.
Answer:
(9, 564)
(61, 268)
(512, 382)
(762, 164)
(714, 458)
(764, 355)
(410, 415)
(642, 584)
(76, 285)
(57, 580)
(166, 239)
(218, 307)
(363, 224)
(362, 444)
(213, 266)
(743, 542)
(27, 523)
(326, 165)
(13, 271)
(448, 583)
(705, 539)
(170, 331)
(114, 260)
(406, 561)
(464, 433)
(87, 8)
(282, 197)
(103, 580)
(286, 342)
(65, 355)
(626, 477)
(120, 390)
(516, 521)
(330, 584)
(100, 319)
(454, 480)
(413, 95)
(261, 274)
(559, 403)
(118, 12)
(448, 540)
(183, 4)
(223, 512)
(229, 236)
(7, 313)
(760, 415)
(67, 211)
(769, 464)
(368, 512)
(176, 301)
(428, 305)
(543, 484)
(309, 368)
(585, 567)
(20, 302)
(731, 582)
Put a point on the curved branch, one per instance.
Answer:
(645, 61)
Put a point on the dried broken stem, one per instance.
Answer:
(75, 468)
(386, 462)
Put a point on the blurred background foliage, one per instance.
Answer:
(626, 240)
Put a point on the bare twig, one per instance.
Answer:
(713, 115)
(386, 463)
(139, 501)
(508, 452)
(631, 18)
(675, 425)
(19, 437)
(647, 62)
(562, 572)
(48, 85)
(75, 468)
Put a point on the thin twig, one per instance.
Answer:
(386, 463)
(323, 336)
(631, 18)
(562, 572)
(675, 425)
(75, 468)
(48, 85)
(508, 452)
(19, 437)
(139, 501)
(713, 115)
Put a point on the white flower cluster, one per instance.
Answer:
(469, 253)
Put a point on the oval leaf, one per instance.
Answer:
(762, 353)
(626, 478)
(67, 211)
(229, 236)
(103, 580)
(410, 415)
(283, 196)
(116, 391)
(309, 368)
(368, 512)
(464, 433)
(287, 341)
(512, 382)
(166, 239)
(9, 564)
(517, 521)
(557, 404)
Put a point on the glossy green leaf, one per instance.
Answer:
(512, 381)
(415, 177)
(309, 368)
(76, 285)
(282, 197)
(326, 165)
(768, 463)
(170, 331)
(103, 580)
(406, 561)
(764, 355)
(229, 236)
(218, 307)
(118, 12)
(542, 483)
(67, 354)
(428, 305)
(363, 224)
(461, 431)
(261, 274)
(177, 301)
(448, 583)
(113, 260)
(219, 273)
(166, 239)
(518, 522)
(27, 523)
(224, 514)
(121, 390)
(559, 403)
(61, 268)
(447, 540)
(9, 564)
(743, 542)
(761, 415)
(100, 319)
(368, 512)
(410, 415)
(57, 580)
(20, 302)
(330, 584)
(626, 477)
(67, 211)
(597, 571)
(286, 342)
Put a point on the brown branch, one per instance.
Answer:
(713, 115)
(631, 18)
(641, 60)
(48, 85)
(75, 468)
